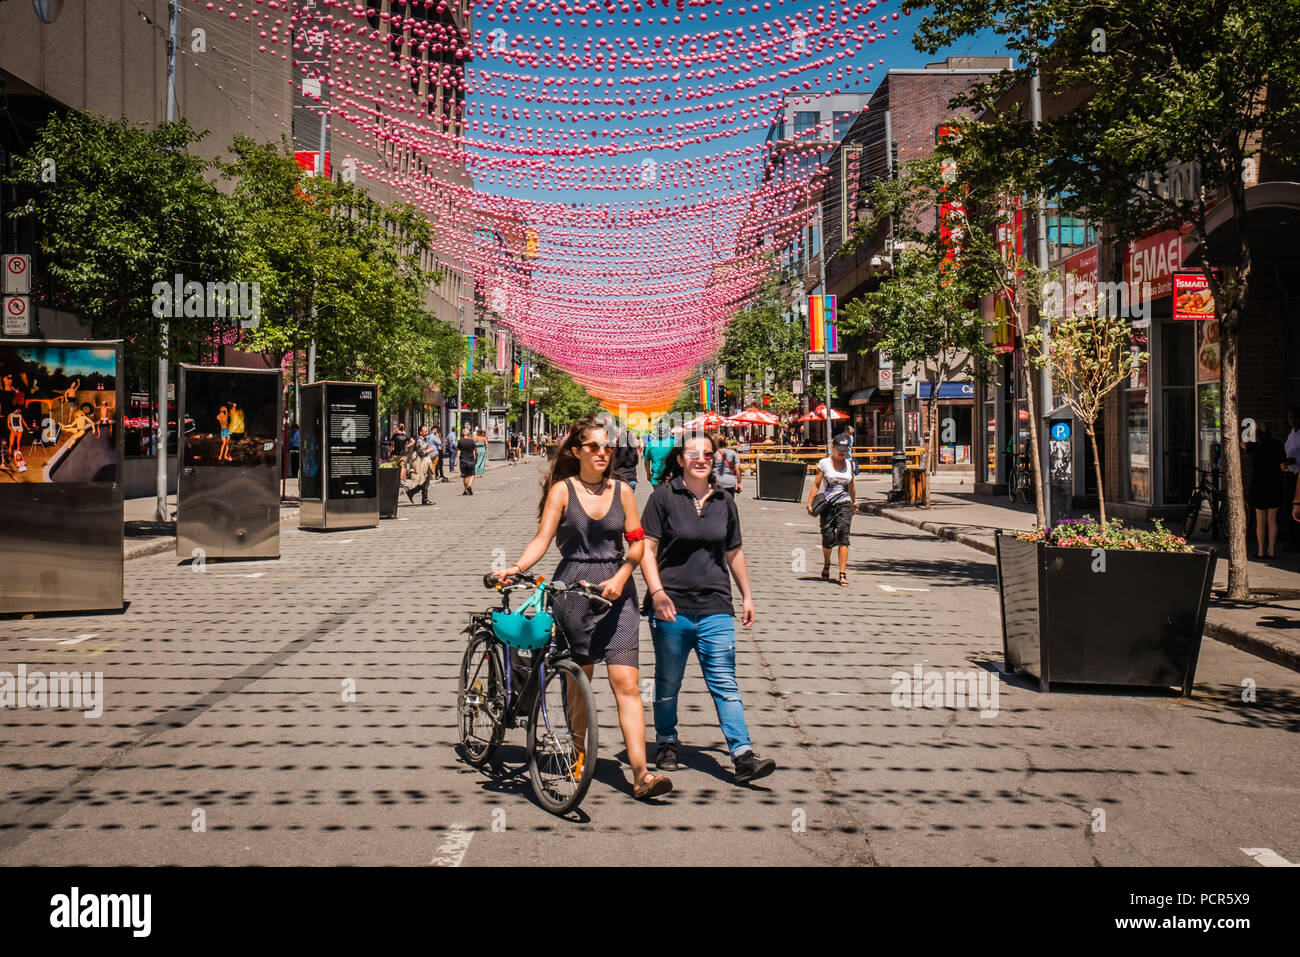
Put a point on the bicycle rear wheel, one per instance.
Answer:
(1192, 516)
(481, 700)
(1013, 482)
(562, 738)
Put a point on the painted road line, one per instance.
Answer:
(891, 588)
(1267, 857)
(451, 853)
(63, 641)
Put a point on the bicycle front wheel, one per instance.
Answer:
(481, 700)
(1013, 486)
(562, 737)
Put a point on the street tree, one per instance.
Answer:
(927, 311)
(762, 341)
(118, 208)
(1208, 83)
(1090, 354)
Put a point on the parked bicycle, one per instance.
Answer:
(517, 672)
(1207, 509)
(1020, 479)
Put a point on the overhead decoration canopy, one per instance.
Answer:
(615, 176)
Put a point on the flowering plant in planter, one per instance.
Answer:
(1087, 533)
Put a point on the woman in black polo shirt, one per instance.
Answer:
(692, 542)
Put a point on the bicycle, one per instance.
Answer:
(543, 690)
(1206, 496)
(1020, 480)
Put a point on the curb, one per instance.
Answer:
(934, 528)
(1261, 646)
(152, 548)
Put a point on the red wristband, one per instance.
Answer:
(635, 536)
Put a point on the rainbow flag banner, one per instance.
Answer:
(823, 333)
(706, 393)
(522, 372)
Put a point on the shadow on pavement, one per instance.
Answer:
(942, 572)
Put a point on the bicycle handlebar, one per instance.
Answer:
(515, 582)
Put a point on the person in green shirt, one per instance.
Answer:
(656, 453)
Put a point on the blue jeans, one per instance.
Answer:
(714, 639)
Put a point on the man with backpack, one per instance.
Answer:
(397, 448)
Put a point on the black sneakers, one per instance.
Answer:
(666, 756)
(750, 767)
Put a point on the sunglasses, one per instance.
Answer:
(693, 455)
(596, 448)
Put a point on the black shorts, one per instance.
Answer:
(466, 467)
(836, 520)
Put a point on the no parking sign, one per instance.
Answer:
(17, 274)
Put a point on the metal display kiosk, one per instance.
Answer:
(338, 447)
(61, 476)
(228, 486)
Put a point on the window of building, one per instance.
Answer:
(805, 120)
(1178, 415)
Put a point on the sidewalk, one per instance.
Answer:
(1268, 626)
(144, 536)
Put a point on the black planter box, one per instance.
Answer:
(388, 487)
(1138, 623)
(780, 481)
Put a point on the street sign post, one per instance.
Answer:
(886, 379)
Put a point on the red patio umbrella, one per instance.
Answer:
(819, 415)
(754, 416)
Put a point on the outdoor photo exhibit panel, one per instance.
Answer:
(61, 476)
(339, 449)
(229, 483)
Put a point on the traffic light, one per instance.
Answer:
(532, 401)
(767, 401)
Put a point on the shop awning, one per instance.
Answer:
(862, 396)
(949, 390)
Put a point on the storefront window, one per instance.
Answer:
(955, 434)
(1208, 424)
(991, 441)
(1138, 432)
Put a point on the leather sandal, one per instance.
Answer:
(844, 579)
(652, 785)
(826, 572)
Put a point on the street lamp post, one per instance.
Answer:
(160, 509)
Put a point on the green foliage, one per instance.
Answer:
(783, 403)
(128, 207)
(761, 341)
(564, 400)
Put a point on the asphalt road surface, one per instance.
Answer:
(231, 734)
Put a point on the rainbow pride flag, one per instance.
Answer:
(521, 373)
(823, 333)
(706, 393)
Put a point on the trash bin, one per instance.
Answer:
(916, 483)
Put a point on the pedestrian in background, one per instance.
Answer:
(626, 457)
(658, 451)
(836, 474)
(1292, 449)
(421, 464)
(1267, 487)
(726, 466)
(397, 444)
(465, 452)
(435, 444)
(693, 542)
(480, 452)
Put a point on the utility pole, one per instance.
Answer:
(320, 172)
(898, 461)
(160, 509)
(826, 323)
(459, 370)
(1044, 445)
